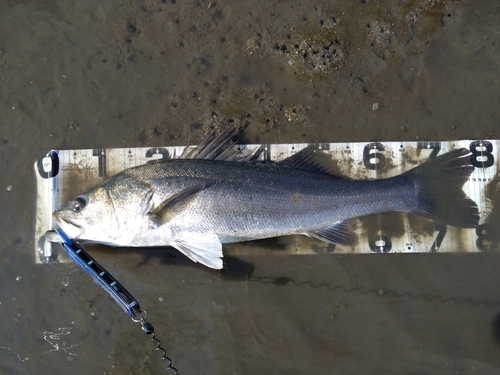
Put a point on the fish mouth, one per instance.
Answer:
(72, 229)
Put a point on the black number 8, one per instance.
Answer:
(484, 241)
(481, 154)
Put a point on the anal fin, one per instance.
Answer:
(338, 233)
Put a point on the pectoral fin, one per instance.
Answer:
(205, 249)
(177, 203)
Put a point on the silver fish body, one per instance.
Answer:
(244, 202)
(197, 205)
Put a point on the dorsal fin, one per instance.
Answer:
(309, 159)
(220, 147)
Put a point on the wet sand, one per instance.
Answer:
(92, 75)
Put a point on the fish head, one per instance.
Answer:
(111, 213)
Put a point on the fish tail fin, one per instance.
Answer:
(438, 183)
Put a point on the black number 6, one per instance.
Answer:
(372, 158)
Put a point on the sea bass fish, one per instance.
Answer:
(211, 196)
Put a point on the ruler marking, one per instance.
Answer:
(351, 160)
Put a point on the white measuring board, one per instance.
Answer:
(63, 174)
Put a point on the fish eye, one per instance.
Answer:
(78, 203)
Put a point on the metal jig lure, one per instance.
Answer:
(116, 290)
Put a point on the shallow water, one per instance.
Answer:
(88, 75)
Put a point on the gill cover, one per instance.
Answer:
(110, 213)
(129, 201)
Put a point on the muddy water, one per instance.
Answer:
(88, 75)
